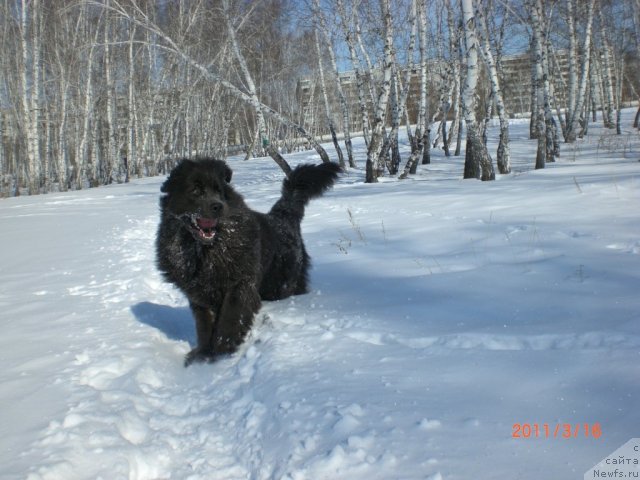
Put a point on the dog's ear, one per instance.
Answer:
(221, 169)
(175, 176)
(166, 186)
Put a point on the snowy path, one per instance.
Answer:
(441, 313)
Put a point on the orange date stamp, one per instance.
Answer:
(558, 430)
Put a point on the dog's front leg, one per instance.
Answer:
(236, 318)
(204, 319)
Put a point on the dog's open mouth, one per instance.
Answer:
(203, 228)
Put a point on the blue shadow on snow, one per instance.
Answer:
(175, 322)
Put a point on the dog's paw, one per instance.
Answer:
(199, 356)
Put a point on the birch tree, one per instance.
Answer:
(456, 57)
(344, 107)
(421, 14)
(573, 115)
(551, 130)
(111, 107)
(502, 157)
(30, 88)
(131, 159)
(400, 92)
(78, 90)
(346, 22)
(86, 84)
(617, 44)
(253, 96)
(606, 72)
(538, 81)
(421, 139)
(85, 160)
(635, 7)
(573, 61)
(325, 98)
(450, 80)
(380, 115)
(478, 163)
(169, 45)
(67, 32)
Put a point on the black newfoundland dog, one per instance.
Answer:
(224, 256)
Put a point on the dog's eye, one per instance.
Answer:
(197, 191)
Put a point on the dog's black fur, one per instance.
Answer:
(224, 256)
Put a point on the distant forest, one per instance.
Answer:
(94, 92)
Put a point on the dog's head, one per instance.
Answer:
(197, 194)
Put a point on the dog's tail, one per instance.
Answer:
(304, 183)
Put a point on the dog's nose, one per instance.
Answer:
(216, 207)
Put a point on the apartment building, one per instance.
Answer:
(515, 84)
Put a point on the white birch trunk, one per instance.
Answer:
(47, 154)
(619, 77)
(418, 145)
(594, 97)
(147, 132)
(355, 62)
(424, 100)
(573, 58)
(533, 129)
(346, 127)
(596, 68)
(401, 94)
(573, 116)
(477, 163)
(607, 75)
(62, 158)
(85, 166)
(367, 59)
(112, 160)
(325, 98)
(535, 12)
(36, 94)
(373, 152)
(29, 116)
(4, 177)
(560, 113)
(453, 76)
(188, 148)
(456, 124)
(551, 128)
(131, 159)
(503, 161)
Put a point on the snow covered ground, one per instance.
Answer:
(442, 312)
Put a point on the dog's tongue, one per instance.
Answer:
(206, 222)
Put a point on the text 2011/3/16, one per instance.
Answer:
(559, 430)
